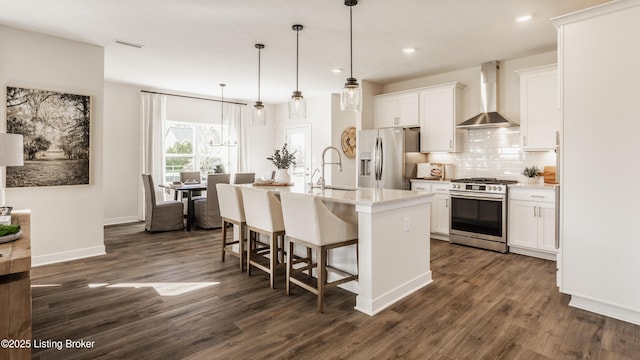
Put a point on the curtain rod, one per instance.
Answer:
(193, 97)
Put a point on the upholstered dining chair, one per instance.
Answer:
(244, 178)
(190, 177)
(309, 222)
(160, 215)
(232, 212)
(264, 216)
(207, 210)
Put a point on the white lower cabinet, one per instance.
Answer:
(440, 210)
(532, 222)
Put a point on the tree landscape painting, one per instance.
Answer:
(56, 129)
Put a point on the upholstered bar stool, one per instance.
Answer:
(264, 216)
(309, 222)
(232, 212)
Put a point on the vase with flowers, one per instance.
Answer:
(532, 174)
(283, 160)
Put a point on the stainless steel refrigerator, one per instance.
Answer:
(387, 157)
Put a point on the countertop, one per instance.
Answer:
(356, 196)
(534, 186)
(432, 179)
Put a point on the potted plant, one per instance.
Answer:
(531, 173)
(283, 159)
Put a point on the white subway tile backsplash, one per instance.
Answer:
(493, 153)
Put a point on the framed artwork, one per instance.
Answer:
(348, 141)
(56, 129)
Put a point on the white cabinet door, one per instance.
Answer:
(440, 214)
(397, 110)
(408, 110)
(539, 108)
(547, 227)
(523, 224)
(439, 113)
(385, 111)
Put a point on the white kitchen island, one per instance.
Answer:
(393, 241)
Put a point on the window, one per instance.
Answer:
(196, 147)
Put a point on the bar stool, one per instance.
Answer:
(309, 222)
(232, 212)
(263, 214)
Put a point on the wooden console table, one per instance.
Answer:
(15, 288)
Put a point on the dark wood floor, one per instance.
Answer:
(481, 305)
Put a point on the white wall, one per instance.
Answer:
(121, 152)
(66, 221)
(341, 120)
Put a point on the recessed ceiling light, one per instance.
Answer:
(523, 18)
(128, 44)
(409, 50)
(336, 70)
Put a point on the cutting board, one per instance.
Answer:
(549, 174)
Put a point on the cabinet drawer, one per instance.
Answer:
(440, 188)
(420, 186)
(548, 196)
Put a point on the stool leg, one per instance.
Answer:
(273, 251)
(321, 276)
(224, 238)
(250, 245)
(289, 268)
(309, 261)
(241, 247)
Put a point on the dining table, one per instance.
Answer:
(189, 189)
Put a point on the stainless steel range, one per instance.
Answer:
(479, 213)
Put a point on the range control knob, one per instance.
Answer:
(499, 188)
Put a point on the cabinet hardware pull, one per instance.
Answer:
(537, 196)
(524, 140)
(450, 144)
(446, 203)
(534, 212)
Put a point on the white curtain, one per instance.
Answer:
(153, 113)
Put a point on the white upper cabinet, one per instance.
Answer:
(396, 110)
(539, 107)
(441, 110)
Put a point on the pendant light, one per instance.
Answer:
(222, 137)
(351, 95)
(259, 113)
(297, 105)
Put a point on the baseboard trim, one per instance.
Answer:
(374, 306)
(606, 309)
(67, 256)
(121, 220)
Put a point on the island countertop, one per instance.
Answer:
(349, 195)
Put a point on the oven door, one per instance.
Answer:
(480, 216)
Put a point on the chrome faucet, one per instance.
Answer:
(339, 163)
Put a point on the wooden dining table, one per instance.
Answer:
(189, 189)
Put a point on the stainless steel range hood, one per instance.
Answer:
(489, 117)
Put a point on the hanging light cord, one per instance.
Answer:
(259, 49)
(351, 37)
(297, 47)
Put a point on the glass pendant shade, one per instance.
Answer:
(259, 116)
(297, 106)
(351, 96)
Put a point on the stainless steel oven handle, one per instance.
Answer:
(490, 197)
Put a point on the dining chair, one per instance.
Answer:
(309, 222)
(163, 215)
(207, 210)
(244, 178)
(232, 213)
(190, 177)
(263, 214)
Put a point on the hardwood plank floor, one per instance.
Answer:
(481, 305)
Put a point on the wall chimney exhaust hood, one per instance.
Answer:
(489, 117)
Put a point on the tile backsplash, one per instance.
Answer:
(495, 152)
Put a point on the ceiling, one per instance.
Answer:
(192, 46)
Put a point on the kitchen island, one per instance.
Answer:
(393, 241)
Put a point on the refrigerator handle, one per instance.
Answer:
(375, 159)
(380, 156)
